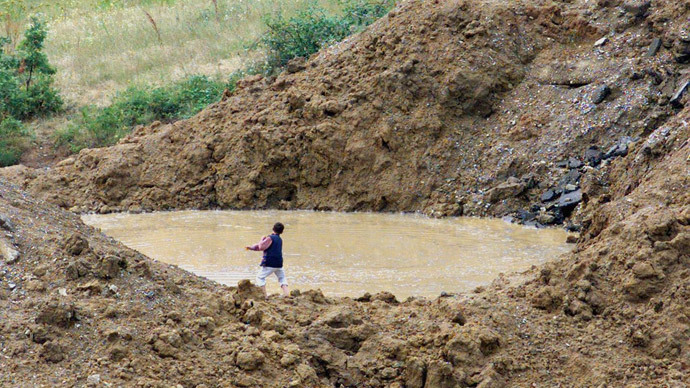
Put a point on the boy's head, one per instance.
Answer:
(278, 228)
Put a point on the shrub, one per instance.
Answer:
(98, 127)
(26, 76)
(14, 140)
(311, 28)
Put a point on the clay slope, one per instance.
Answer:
(428, 110)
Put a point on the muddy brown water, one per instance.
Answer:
(341, 254)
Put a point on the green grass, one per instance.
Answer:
(101, 47)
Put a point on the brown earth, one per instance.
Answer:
(455, 107)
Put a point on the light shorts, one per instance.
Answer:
(264, 272)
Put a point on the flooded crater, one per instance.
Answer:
(342, 254)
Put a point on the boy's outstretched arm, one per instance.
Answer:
(262, 245)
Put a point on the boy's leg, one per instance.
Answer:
(282, 279)
(261, 279)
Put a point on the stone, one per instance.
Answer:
(654, 47)
(76, 244)
(571, 178)
(249, 359)
(600, 94)
(414, 375)
(93, 380)
(53, 352)
(548, 195)
(6, 223)
(571, 239)
(389, 373)
(637, 8)
(644, 270)
(601, 42)
(57, 313)
(570, 199)
(8, 253)
(593, 156)
(569, 188)
(509, 189)
(676, 99)
(574, 163)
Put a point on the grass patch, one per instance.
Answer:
(14, 140)
(97, 127)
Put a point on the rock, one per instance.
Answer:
(77, 269)
(109, 267)
(296, 65)
(547, 298)
(569, 188)
(58, 313)
(6, 223)
(570, 199)
(654, 47)
(548, 195)
(593, 156)
(509, 189)
(306, 375)
(525, 216)
(644, 270)
(249, 359)
(414, 375)
(682, 50)
(385, 296)
(637, 8)
(571, 239)
(53, 352)
(546, 218)
(364, 298)
(93, 380)
(76, 244)
(440, 375)
(8, 253)
(118, 352)
(571, 178)
(39, 335)
(600, 94)
(676, 99)
(562, 164)
(389, 373)
(601, 42)
(574, 163)
(340, 317)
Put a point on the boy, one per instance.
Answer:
(272, 262)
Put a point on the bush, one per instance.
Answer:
(98, 127)
(312, 29)
(13, 141)
(26, 76)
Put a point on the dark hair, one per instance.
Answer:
(278, 228)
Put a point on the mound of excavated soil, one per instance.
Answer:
(457, 107)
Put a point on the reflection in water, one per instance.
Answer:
(342, 254)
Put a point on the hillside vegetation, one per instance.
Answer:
(124, 63)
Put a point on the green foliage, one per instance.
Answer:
(312, 28)
(26, 77)
(13, 141)
(98, 127)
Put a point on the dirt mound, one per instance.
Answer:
(454, 107)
